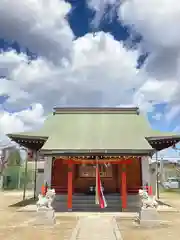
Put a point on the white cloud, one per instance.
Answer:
(156, 21)
(100, 7)
(157, 116)
(158, 91)
(158, 24)
(95, 76)
(173, 113)
(39, 25)
(91, 71)
(31, 116)
(96, 4)
(20, 121)
(169, 153)
(94, 73)
(177, 129)
(10, 123)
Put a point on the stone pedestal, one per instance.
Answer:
(149, 217)
(45, 216)
(1, 182)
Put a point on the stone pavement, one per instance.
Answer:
(96, 228)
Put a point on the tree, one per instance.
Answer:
(3, 163)
(14, 158)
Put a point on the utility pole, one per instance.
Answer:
(25, 173)
(35, 172)
(25, 179)
(157, 176)
(162, 169)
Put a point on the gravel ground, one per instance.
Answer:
(164, 232)
(172, 198)
(167, 231)
(19, 225)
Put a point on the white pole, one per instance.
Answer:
(157, 177)
(162, 169)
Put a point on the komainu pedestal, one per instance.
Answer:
(45, 216)
(148, 215)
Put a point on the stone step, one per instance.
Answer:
(84, 203)
(89, 203)
(94, 208)
(105, 194)
(91, 198)
(92, 204)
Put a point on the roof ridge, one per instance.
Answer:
(124, 110)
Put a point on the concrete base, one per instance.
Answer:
(45, 217)
(149, 218)
(148, 214)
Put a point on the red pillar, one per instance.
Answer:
(70, 190)
(124, 187)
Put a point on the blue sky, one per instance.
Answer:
(154, 88)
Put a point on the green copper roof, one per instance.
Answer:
(96, 129)
(103, 130)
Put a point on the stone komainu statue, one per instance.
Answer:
(146, 200)
(47, 200)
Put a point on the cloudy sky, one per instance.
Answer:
(50, 57)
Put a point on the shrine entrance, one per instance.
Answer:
(121, 175)
(85, 176)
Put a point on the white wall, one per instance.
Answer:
(47, 170)
(148, 176)
(145, 171)
(42, 178)
(39, 182)
(152, 168)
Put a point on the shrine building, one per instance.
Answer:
(74, 140)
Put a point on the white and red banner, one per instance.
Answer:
(100, 199)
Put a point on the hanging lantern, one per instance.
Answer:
(30, 154)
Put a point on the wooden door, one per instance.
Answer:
(85, 176)
(134, 181)
(59, 176)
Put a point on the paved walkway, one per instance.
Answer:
(96, 228)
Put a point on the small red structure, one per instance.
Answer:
(44, 189)
(149, 190)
